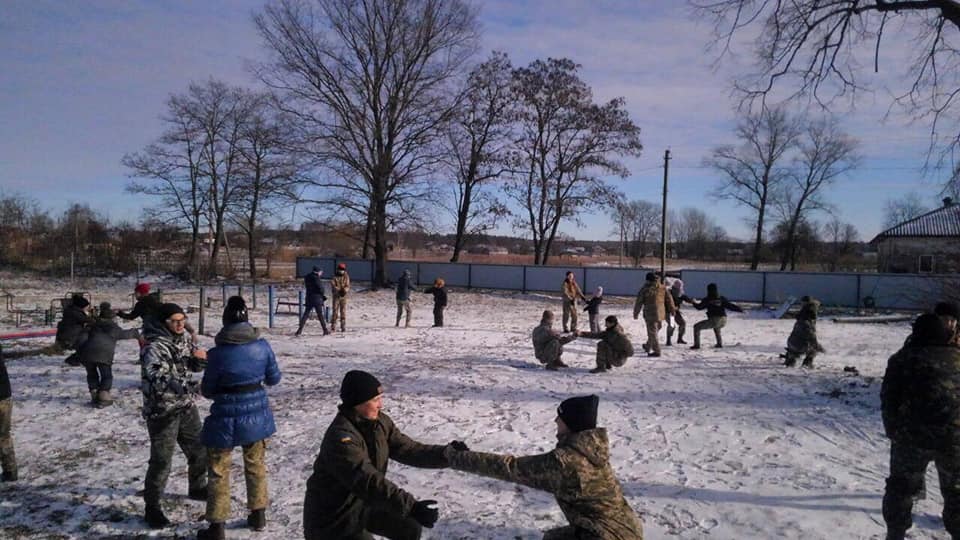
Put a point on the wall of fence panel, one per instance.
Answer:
(831, 289)
(737, 286)
(454, 275)
(496, 276)
(550, 278)
(615, 281)
(901, 291)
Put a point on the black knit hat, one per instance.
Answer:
(579, 413)
(169, 310)
(611, 320)
(235, 311)
(358, 387)
(651, 276)
(79, 301)
(947, 309)
(106, 311)
(928, 329)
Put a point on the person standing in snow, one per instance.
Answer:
(656, 304)
(571, 292)
(169, 390)
(676, 295)
(315, 300)
(404, 286)
(238, 368)
(593, 309)
(97, 352)
(339, 287)
(577, 472)
(920, 407)
(949, 313)
(716, 307)
(348, 495)
(147, 308)
(548, 343)
(8, 458)
(803, 338)
(439, 301)
(614, 347)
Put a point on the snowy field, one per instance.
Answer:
(719, 444)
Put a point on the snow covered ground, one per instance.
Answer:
(721, 443)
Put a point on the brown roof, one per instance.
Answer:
(942, 222)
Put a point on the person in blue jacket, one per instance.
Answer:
(238, 368)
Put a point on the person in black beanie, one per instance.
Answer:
(314, 301)
(74, 327)
(348, 495)
(577, 472)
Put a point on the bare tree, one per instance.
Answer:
(752, 172)
(840, 239)
(476, 141)
(643, 227)
(824, 153)
(801, 246)
(694, 233)
(905, 208)
(369, 83)
(564, 142)
(815, 49)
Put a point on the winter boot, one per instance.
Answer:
(257, 520)
(788, 360)
(93, 397)
(213, 532)
(680, 336)
(807, 362)
(198, 494)
(598, 370)
(670, 337)
(155, 518)
(9, 475)
(104, 399)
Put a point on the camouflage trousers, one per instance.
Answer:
(339, 312)
(653, 341)
(569, 314)
(715, 323)
(607, 358)
(380, 522)
(219, 461)
(551, 352)
(177, 428)
(908, 465)
(403, 308)
(8, 459)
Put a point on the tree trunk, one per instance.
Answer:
(380, 236)
(367, 231)
(758, 241)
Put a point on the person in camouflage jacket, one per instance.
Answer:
(656, 304)
(348, 495)
(577, 472)
(339, 287)
(571, 293)
(548, 343)
(920, 406)
(614, 347)
(803, 339)
(172, 417)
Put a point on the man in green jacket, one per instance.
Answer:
(348, 495)
(577, 472)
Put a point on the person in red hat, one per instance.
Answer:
(147, 308)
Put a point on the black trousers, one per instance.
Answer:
(318, 308)
(99, 376)
(438, 315)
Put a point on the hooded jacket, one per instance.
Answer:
(101, 343)
(654, 300)
(439, 295)
(403, 287)
(315, 294)
(578, 473)
(616, 337)
(72, 328)
(237, 370)
(920, 397)
(167, 382)
(716, 306)
(340, 284)
(350, 473)
(542, 335)
(148, 309)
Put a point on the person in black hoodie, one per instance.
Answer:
(147, 308)
(439, 301)
(315, 299)
(96, 354)
(8, 459)
(73, 327)
(716, 307)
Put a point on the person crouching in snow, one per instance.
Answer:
(593, 309)
(439, 301)
(97, 352)
(803, 338)
(716, 307)
(548, 343)
(614, 347)
(577, 472)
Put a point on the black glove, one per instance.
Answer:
(423, 514)
(459, 446)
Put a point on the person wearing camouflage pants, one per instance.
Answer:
(339, 286)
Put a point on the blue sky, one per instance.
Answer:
(84, 83)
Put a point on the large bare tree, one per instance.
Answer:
(565, 143)
(753, 170)
(815, 48)
(369, 82)
(905, 208)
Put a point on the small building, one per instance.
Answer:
(927, 244)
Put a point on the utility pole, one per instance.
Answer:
(663, 219)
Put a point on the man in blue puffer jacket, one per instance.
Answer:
(237, 370)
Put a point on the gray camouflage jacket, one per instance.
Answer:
(166, 380)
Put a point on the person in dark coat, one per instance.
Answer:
(348, 495)
(439, 293)
(920, 407)
(404, 286)
(593, 309)
(8, 458)
(577, 473)
(76, 322)
(97, 352)
(315, 299)
(147, 308)
(237, 370)
(677, 322)
(716, 307)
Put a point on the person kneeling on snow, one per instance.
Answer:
(548, 343)
(577, 472)
(97, 352)
(803, 338)
(614, 347)
(348, 495)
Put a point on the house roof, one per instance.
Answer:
(939, 223)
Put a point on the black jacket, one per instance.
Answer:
(148, 309)
(5, 392)
(439, 296)
(101, 344)
(72, 329)
(716, 306)
(593, 305)
(315, 294)
(919, 401)
(350, 473)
